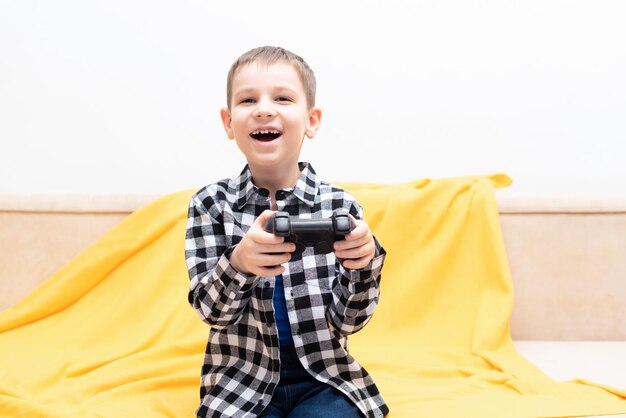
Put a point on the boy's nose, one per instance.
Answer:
(264, 109)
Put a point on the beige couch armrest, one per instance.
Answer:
(568, 261)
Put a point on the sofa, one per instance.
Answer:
(565, 253)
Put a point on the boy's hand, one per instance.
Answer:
(261, 253)
(358, 247)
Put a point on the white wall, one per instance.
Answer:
(124, 95)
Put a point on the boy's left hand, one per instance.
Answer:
(358, 247)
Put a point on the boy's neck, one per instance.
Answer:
(276, 178)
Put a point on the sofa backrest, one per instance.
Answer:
(567, 255)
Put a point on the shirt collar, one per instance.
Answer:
(305, 189)
(307, 185)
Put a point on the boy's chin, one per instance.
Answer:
(269, 164)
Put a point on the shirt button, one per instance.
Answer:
(267, 284)
(260, 401)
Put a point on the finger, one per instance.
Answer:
(285, 248)
(356, 253)
(265, 215)
(271, 260)
(262, 219)
(354, 238)
(356, 264)
(269, 271)
(267, 238)
(261, 236)
(347, 244)
(359, 231)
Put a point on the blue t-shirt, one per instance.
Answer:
(280, 313)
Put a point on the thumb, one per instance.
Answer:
(264, 217)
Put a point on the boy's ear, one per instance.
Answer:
(315, 120)
(227, 121)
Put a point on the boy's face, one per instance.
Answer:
(269, 116)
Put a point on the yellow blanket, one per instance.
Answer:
(111, 333)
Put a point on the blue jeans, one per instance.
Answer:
(300, 395)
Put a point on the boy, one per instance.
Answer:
(279, 319)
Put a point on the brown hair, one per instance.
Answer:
(271, 55)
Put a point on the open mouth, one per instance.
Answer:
(266, 134)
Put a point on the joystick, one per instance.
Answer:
(319, 233)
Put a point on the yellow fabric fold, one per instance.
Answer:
(111, 333)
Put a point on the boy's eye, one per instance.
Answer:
(247, 100)
(283, 99)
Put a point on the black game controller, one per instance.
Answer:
(319, 233)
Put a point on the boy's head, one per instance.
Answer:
(270, 55)
(270, 111)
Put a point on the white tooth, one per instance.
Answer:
(266, 131)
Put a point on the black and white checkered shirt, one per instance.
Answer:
(325, 301)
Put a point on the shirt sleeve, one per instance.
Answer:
(356, 291)
(217, 292)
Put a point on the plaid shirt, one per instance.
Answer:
(325, 301)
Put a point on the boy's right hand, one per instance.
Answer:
(261, 253)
